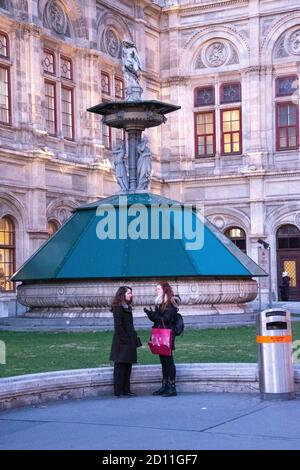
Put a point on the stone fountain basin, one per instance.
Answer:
(140, 114)
(93, 298)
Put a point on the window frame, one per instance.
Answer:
(106, 74)
(7, 68)
(230, 103)
(53, 83)
(197, 156)
(50, 52)
(281, 77)
(13, 248)
(119, 79)
(206, 104)
(277, 127)
(235, 239)
(222, 111)
(7, 56)
(71, 89)
(66, 58)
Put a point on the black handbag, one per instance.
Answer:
(138, 341)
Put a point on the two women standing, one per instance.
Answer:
(123, 351)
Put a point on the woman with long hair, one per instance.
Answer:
(164, 316)
(124, 343)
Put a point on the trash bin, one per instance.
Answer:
(274, 339)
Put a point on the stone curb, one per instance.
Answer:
(34, 389)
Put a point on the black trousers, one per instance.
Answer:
(122, 372)
(168, 367)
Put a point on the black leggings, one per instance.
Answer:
(122, 374)
(168, 368)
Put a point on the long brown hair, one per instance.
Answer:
(119, 298)
(167, 292)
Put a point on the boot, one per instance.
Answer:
(171, 389)
(162, 389)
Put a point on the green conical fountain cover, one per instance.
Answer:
(92, 244)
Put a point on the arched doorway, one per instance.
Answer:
(288, 258)
(238, 237)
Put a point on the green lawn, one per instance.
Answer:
(40, 352)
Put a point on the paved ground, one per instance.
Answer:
(188, 421)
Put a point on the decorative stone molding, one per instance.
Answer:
(218, 221)
(293, 42)
(216, 54)
(297, 219)
(274, 36)
(112, 43)
(197, 51)
(55, 18)
(178, 80)
(11, 205)
(77, 296)
(209, 5)
(60, 209)
(112, 29)
(280, 51)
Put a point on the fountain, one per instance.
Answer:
(135, 237)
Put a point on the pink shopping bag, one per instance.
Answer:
(161, 341)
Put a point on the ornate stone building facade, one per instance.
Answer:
(233, 66)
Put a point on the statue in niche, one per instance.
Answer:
(120, 166)
(144, 164)
(132, 70)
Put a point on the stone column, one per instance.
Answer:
(134, 138)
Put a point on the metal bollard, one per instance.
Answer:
(274, 339)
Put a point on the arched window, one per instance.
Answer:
(5, 93)
(288, 237)
(7, 253)
(288, 258)
(52, 227)
(238, 237)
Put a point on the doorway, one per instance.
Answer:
(288, 259)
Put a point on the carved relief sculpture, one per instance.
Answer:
(294, 43)
(55, 17)
(216, 54)
(111, 43)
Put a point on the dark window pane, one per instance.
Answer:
(231, 93)
(204, 96)
(286, 86)
(3, 45)
(294, 242)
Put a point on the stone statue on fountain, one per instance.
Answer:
(120, 166)
(132, 71)
(144, 164)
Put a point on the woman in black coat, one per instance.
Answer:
(164, 316)
(124, 343)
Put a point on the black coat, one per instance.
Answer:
(285, 288)
(123, 348)
(164, 317)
